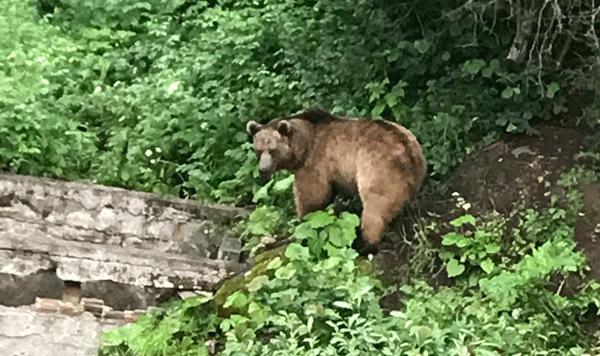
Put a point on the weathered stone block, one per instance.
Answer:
(131, 225)
(81, 219)
(133, 242)
(106, 219)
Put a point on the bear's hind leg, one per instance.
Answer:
(378, 211)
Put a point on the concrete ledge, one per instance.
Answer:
(27, 333)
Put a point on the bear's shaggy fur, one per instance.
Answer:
(379, 160)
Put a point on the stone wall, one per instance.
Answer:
(129, 250)
(25, 332)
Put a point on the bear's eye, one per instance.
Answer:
(273, 153)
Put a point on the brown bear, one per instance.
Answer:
(381, 161)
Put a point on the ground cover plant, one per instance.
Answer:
(155, 95)
(317, 298)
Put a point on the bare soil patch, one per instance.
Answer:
(519, 169)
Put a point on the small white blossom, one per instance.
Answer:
(172, 87)
(158, 150)
(97, 90)
(148, 153)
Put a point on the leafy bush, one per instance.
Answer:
(319, 299)
(161, 90)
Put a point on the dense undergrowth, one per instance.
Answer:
(154, 95)
(317, 298)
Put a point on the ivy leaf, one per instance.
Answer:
(454, 268)
(422, 46)
(487, 266)
(473, 66)
(451, 238)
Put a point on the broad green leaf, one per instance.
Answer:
(454, 268)
(378, 109)
(256, 283)
(507, 93)
(352, 219)
(487, 266)
(284, 184)
(422, 46)
(319, 219)
(451, 238)
(305, 231)
(295, 251)
(201, 298)
(262, 193)
(473, 66)
(285, 272)
(275, 263)
(336, 237)
(236, 300)
(258, 313)
(463, 219)
(552, 89)
(492, 248)
(487, 72)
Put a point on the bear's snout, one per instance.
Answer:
(266, 166)
(265, 174)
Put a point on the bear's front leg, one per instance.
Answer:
(311, 193)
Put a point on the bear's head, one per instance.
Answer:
(273, 145)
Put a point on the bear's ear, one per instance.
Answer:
(284, 128)
(253, 127)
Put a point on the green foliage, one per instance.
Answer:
(175, 329)
(265, 221)
(475, 247)
(158, 92)
(316, 299)
(325, 234)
